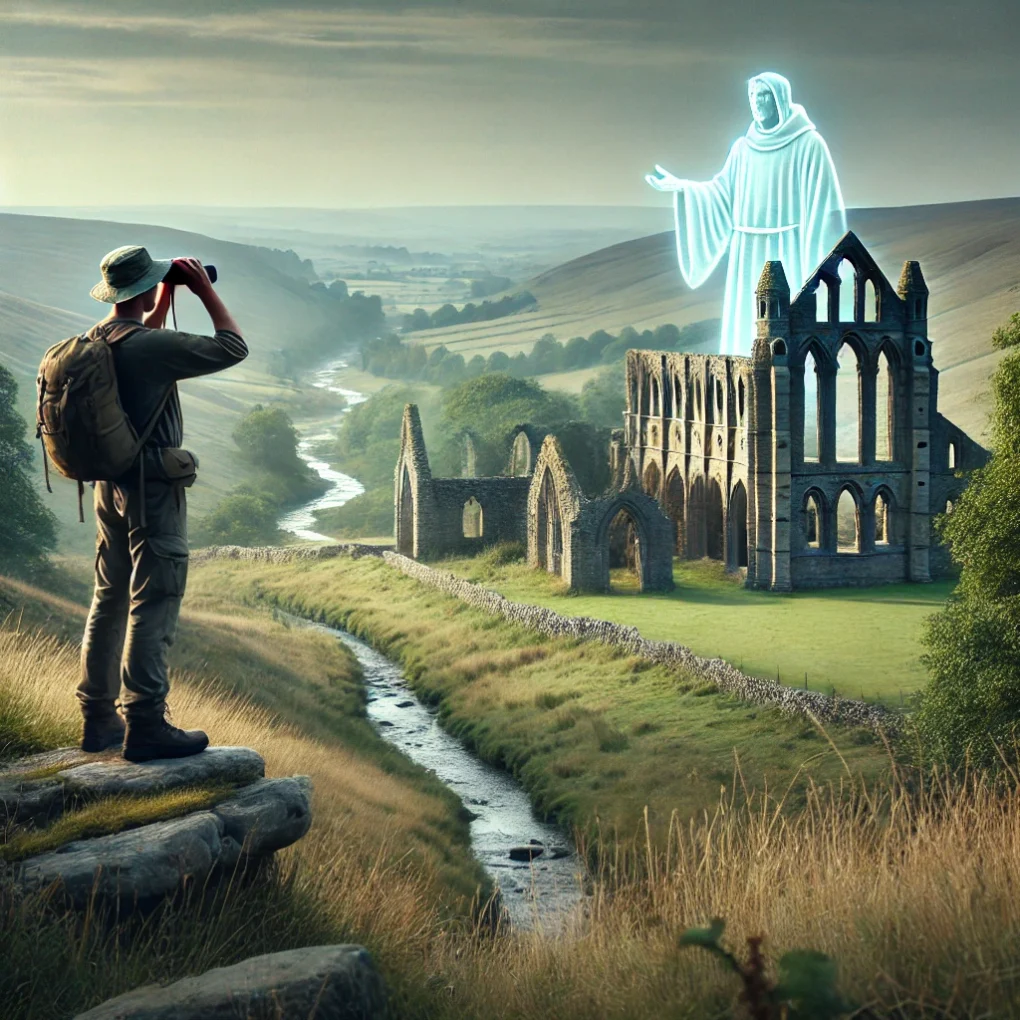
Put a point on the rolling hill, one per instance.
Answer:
(969, 252)
(47, 267)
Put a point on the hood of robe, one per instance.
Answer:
(793, 120)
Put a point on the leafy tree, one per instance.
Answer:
(268, 440)
(603, 398)
(971, 705)
(490, 407)
(244, 517)
(499, 361)
(29, 527)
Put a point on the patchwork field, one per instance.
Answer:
(858, 641)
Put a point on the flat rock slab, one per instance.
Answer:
(235, 766)
(155, 860)
(317, 983)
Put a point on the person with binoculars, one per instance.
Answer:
(142, 543)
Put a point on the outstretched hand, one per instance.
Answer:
(663, 180)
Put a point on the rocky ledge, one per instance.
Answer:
(317, 983)
(255, 818)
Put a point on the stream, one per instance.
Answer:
(540, 892)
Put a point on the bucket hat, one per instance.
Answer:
(128, 272)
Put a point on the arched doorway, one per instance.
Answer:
(714, 520)
(625, 548)
(550, 529)
(674, 505)
(405, 516)
(472, 520)
(737, 548)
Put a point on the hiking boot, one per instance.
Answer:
(102, 732)
(151, 738)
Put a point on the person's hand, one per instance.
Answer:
(663, 180)
(196, 279)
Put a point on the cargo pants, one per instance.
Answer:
(141, 571)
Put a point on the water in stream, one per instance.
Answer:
(543, 891)
(301, 522)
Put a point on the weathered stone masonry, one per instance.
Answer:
(753, 465)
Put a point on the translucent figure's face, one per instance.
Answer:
(763, 105)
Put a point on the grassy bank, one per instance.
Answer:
(590, 731)
(912, 894)
(860, 641)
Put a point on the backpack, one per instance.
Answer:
(79, 419)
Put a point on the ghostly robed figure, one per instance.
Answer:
(777, 197)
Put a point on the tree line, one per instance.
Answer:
(450, 315)
(391, 358)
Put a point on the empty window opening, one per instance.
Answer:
(848, 406)
(881, 520)
(678, 397)
(740, 402)
(472, 518)
(652, 480)
(520, 458)
(884, 417)
(718, 400)
(872, 308)
(846, 292)
(762, 309)
(822, 301)
(656, 408)
(810, 408)
(550, 534)
(737, 553)
(813, 523)
(952, 455)
(847, 523)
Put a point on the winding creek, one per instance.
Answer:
(541, 892)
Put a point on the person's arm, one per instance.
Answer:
(197, 280)
(156, 318)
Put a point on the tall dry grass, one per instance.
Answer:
(909, 885)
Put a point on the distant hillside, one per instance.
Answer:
(969, 252)
(47, 267)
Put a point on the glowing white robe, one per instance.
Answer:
(777, 197)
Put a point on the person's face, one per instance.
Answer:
(763, 105)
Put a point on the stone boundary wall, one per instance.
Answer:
(757, 690)
(789, 700)
(284, 554)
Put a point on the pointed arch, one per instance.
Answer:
(812, 407)
(885, 410)
(652, 479)
(813, 519)
(848, 521)
(737, 518)
(714, 520)
(654, 397)
(472, 519)
(872, 302)
(848, 400)
(882, 512)
(674, 506)
(847, 288)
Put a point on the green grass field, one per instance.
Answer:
(860, 641)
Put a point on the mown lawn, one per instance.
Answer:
(860, 641)
(590, 731)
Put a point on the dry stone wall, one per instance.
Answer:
(789, 700)
(285, 554)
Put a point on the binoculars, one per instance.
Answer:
(174, 277)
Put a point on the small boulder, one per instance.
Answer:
(405, 704)
(525, 853)
(236, 766)
(317, 983)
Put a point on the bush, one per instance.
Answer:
(244, 517)
(971, 706)
(29, 527)
(268, 441)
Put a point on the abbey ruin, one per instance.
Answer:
(819, 461)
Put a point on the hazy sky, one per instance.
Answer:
(270, 102)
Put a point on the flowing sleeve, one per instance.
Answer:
(704, 222)
(823, 214)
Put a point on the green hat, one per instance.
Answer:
(128, 272)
